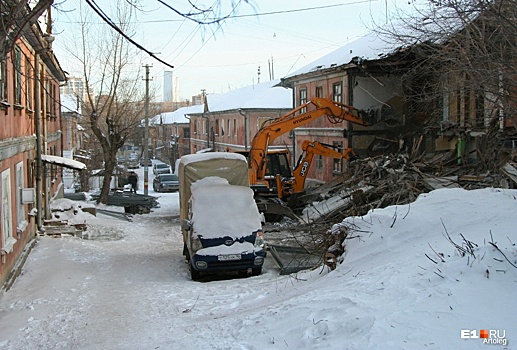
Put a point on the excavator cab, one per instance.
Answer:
(277, 164)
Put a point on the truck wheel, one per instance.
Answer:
(256, 271)
(273, 217)
(194, 274)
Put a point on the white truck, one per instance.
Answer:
(220, 222)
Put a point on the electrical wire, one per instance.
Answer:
(106, 19)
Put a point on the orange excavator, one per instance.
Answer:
(309, 148)
(269, 171)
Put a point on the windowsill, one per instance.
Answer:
(17, 106)
(4, 105)
(9, 245)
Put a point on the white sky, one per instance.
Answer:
(229, 58)
(128, 287)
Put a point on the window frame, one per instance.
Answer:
(17, 76)
(337, 92)
(302, 95)
(3, 82)
(8, 240)
(28, 83)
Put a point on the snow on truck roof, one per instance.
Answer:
(208, 196)
(198, 157)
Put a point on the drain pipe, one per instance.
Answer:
(246, 128)
(37, 120)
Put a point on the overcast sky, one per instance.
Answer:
(279, 37)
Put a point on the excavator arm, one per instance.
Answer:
(309, 149)
(314, 109)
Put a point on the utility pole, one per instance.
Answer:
(146, 132)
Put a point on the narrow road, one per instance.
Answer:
(127, 287)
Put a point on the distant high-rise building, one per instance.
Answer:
(75, 86)
(167, 86)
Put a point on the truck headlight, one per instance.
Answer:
(195, 243)
(259, 239)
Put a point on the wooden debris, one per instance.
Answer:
(396, 179)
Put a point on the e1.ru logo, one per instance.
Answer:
(492, 336)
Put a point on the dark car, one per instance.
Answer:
(166, 183)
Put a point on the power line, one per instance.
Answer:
(255, 14)
(106, 19)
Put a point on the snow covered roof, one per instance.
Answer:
(178, 116)
(368, 47)
(264, 96)
(69, 104)
(66, 162)
(383, 42)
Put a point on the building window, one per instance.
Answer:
(235, 127)
(48, 92)
(217, 127)
(337, 165)
(186, 133)
(319, 162)
(28, 83)
(7, 219)
(3, 81)
(319, 91)
(17, 76)
(19, 188)
(445, 103)
(337, 92)
(229, 128)
(303, 99)
(55, 100)
(480, 108)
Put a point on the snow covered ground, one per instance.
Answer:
(402, 285)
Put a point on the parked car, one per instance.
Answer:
(165, 183)
(161, 168)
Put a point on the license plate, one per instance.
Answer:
(228, 257)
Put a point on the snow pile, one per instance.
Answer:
(222, 210)
(69, 211)
(428, 275)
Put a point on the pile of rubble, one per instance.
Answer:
(381, 181)
(390, 180)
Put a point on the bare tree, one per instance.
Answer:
(108, 58)
(463, 51)
(114, 100)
